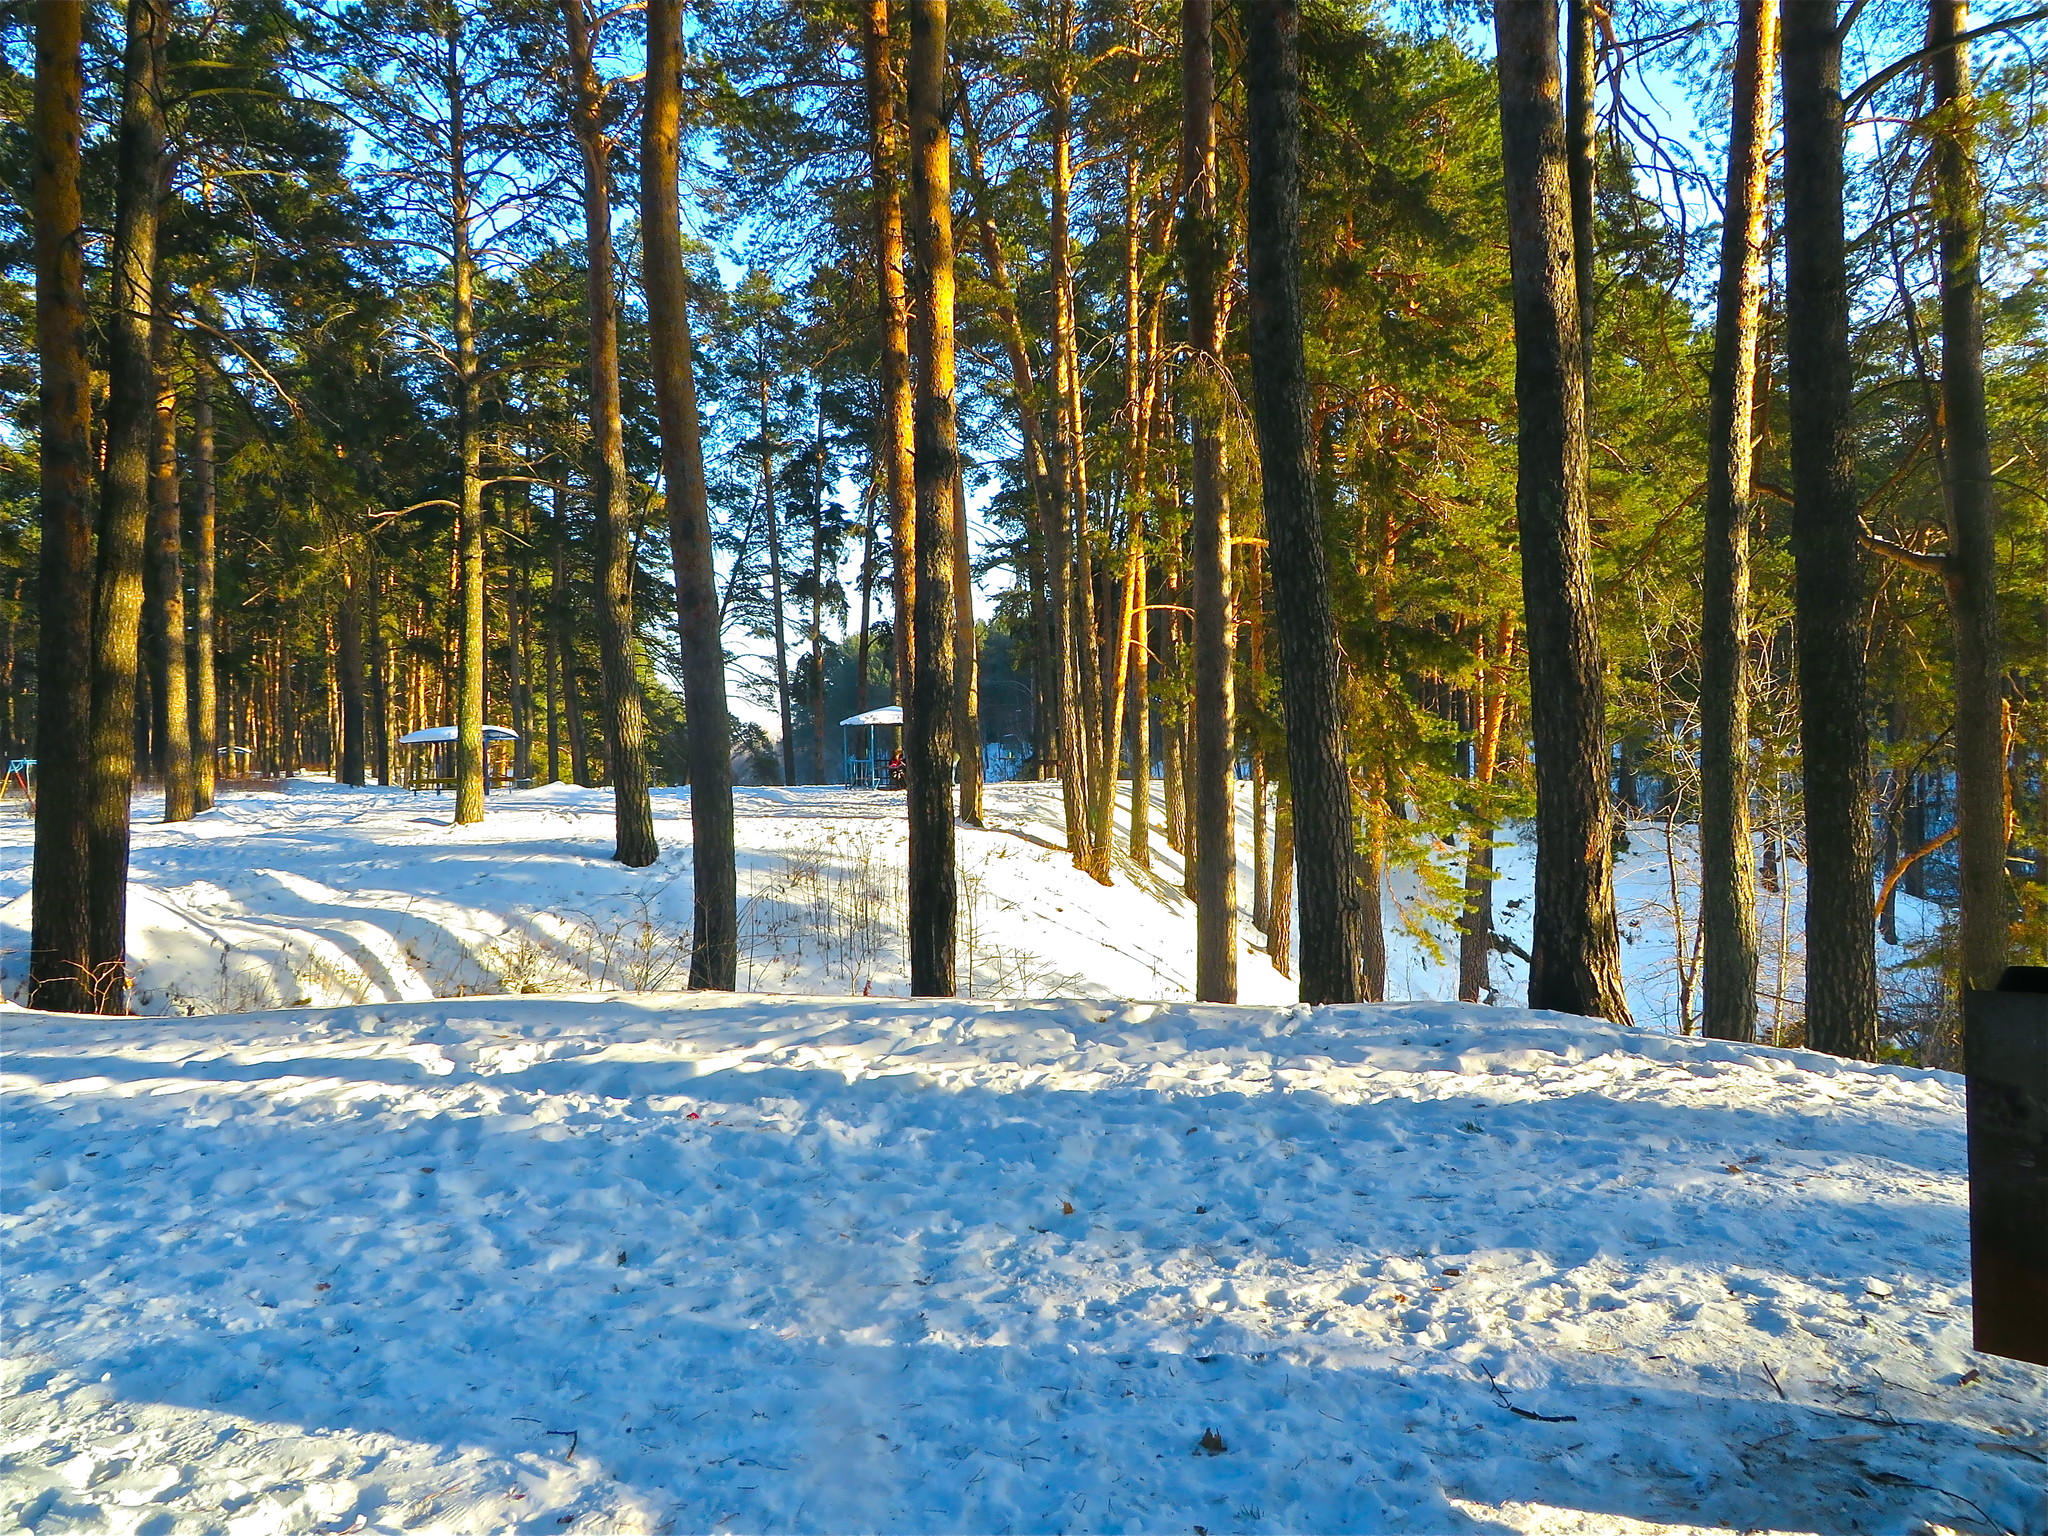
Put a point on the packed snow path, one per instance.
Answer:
(730, 1264)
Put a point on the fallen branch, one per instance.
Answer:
(1526, 1413)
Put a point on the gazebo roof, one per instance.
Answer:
(447, 733)
(888, 714)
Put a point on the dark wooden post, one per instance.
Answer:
(2005, 1064)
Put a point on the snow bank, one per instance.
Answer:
(326, 894)
(719, 1263)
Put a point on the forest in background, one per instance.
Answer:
(417, 405)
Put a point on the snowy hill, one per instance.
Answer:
(745, 1264)
(331, 895)
(327, 894)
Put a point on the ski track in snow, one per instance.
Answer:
(746, 1264)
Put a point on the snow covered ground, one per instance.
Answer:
(324, 894)
(839, 1264)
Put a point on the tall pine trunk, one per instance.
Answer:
(170, 692)
(124, 496)
(1728, 920)
(1971, 569)
(1830, 580)
(966, 662)
(714, 942)
(205, 684)
(1214, 822)
(1321, 824)
(469, 528)
(1280, 917)
(1081, 712)
(1489, 715)
(928, 733)
(60, 958)
(1581, 128)
(775, 588)
(349, 677)
(1576, 955)
(617, 644)
(562, 614)
(893, 303)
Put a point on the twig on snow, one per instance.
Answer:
(1526, 1413)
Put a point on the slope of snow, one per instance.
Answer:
(833, 1264)
(326, 894)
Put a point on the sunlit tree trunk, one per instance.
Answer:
(714, 945)
(1830, 582)
(469, 527)
(966, 662)
(164, 590)
(205, 686)
(878, 76)
(1319, 785)
(60, 955)
(124, 495)
(617, 642)
(1068, 563)
(1213, 823)
(1280, 923)
(928, 744)
(1577, 950)
(1581, 127)
(1728, 920)
(1046, 533)
(1971, 569)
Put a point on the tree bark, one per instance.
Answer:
(1214, 822)
(1728, 920)
(124, 495)
(563, 611)
(1581, 128)
(1326, 853)
(1489, 709)
(1971, 567)
(775, 591)
(1576, 955)
(379, 664)
(519, 649)
(1830, 580)
(928, 733)
(877, 73)
(170, 691)
(60, 951)
(617, 644)
(469, 532)
(348, 675)
(205, 685)
(1067, 563)
(966, 662)
(1280, 919)
(714, 942)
